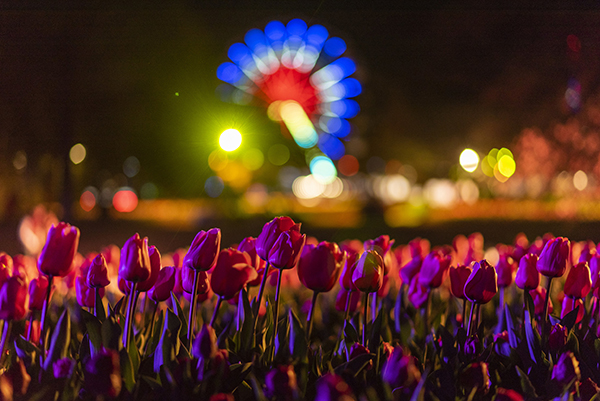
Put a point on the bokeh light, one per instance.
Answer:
(278, 154)
(125, 200)
(253, 159)
(149, 191)
(323, 169)
(469, 160)
(87, 200)
(230, 140)
(580, 180)
(213, 186)
(20, 160)
(131, 166)
(217, 160)
(77, 153)
(298, 123)
(348, 165)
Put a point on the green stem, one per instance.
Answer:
(275, 323)
(95, 300)
(545, 324)
(310, 316)
(464, 312)
(45, 314)
(30, 328)
(129, 316)
(365, 313)
(215, 313)
(256, 307)
(193, 303)
(150, 334)
(5, 335)
(469, 327)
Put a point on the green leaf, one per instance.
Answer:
(155, 336)
(244, 322)
(164, 352)
(355, 365)
(237, 374)
(94, 330)
(282, 339)
(61, 338)
(127, 371)
(297, 345)
(526, 386)
(99, 310)
(375, 338)
(26, 350)
(570, 318)
(111, 333)
(418, 394)
(350, 334)
(510, 328)
(182, 318)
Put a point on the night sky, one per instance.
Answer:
(139, 79)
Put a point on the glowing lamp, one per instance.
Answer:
(469, 160)
(230, 140)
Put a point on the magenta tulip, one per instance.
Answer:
(202, 255)
(56, 258)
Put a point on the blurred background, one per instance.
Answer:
(472, 118)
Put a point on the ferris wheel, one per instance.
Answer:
(300, 75)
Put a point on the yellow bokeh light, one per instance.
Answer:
(230, 140)
(499, 176)
(298, 123)
(469, 160)
(274, 111)
(580, 180)
(487, 166)
(77, 153)
(217, 160)
(506, 166)
(253, 159)
(278, 154)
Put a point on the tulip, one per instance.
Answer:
(480, 288)
(281, 383)
(345, 298)
(318, 269)
(505, 268)
(588, 389)
(595, 271)
(399, 370)
(569, 304)
(553, 259)
(271, 232)
(558, 337)
(566, 369)
(15, 381)
(155, 266)
(205, 345)
(578, 282)
(221, 397)
(102, 375)
(434, 269)
(418, 294)
(14, 305)
(63, 368)
(161, 291)
(348, 269)
(331, 387)
(56, 258)
(287, 250)
(248, 245)
(230, 275)
(476, 376)
(458, 279)
(382, 245)
(86, 296)
(368, 274)
(97, 275)
(539, 296)
(37, 292)
(411, 269)
(201, 257)
(528, 277)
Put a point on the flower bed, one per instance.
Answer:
(283, 317)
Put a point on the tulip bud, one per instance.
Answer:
(566, 369)
(281, 383)
(86, 296)
(341, 298)
(557, 338)
(382, 245)
(458, 279)
(417, 293)
(248, 245)
(368, 274)
(481, 286)
(97, 275)
(528, 277)
(476, 376)
(348, 269)
(505, 268)
(331, 387)
(37, 292)
(14, 299)
(204, 250)
(399, 370)
(231, 273)
(287, 250)
(595, 271)
(434, 269)
(578, 282)
(155, 266)
(56, 258)
(135, 260)
(164, 284)
(102, 375)
(271, 232)
(539, 297)
(205, 344)
(503, 394)
(553, 259)
(320, 266)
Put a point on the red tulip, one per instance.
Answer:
(155, 266)
(578, 282)
(135, 260)
(14, 299)
(411, 269)
(341, 298)
(248, 245)
(528, 277)
(554, 256)
(588, 251)
(231, 273)
(204, 250)
(164, 285)
(86, 296)
(595, 271)
(570, 304)
(271, 232)
(205, 344)
(382, 245)
(434, 269)
(97, 275)
(558, 337)
(458, 279)
(187, 280)
(348, 269)
(56, 259)
(481, 286)
(566, 369)
(368, 274)
(320, 266)
(6, 261)
(505, 268)
(539, 297)
(37, 292)
(287, 250)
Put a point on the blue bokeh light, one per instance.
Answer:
(230, 73)
(316, 36)
(345, 108)
(296, 27)
(213, 186)
(352, 87)
(334, 47)
(331, 146)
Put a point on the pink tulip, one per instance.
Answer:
(56, 258)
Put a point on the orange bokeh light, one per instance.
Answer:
(125, 201)
(348, 165)
(87, 201)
